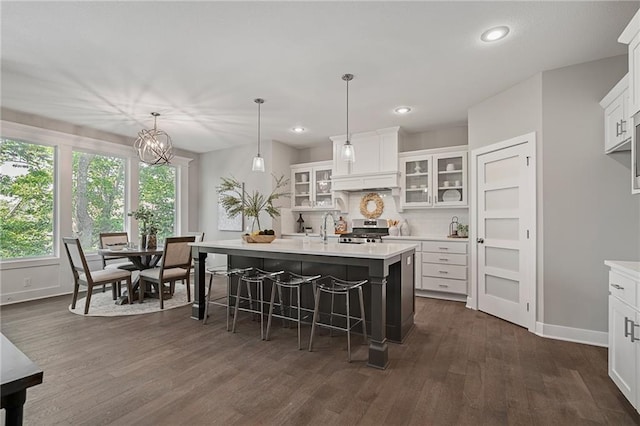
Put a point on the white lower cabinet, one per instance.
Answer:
(445, 269)
(441, 267)
(624, 331)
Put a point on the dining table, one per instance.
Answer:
(141, 258)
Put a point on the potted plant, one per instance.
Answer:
(148, 229)
(236, 200)
(463, 230)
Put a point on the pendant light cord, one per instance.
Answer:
(348, 111)
(258, 128)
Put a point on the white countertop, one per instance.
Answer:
(630, 268)
(317, 248)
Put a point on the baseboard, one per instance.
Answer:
(570, 334)
(440, 295)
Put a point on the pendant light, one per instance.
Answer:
(348, 153)
(154, 146)
(258, 161)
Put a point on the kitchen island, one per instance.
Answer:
(389, 293)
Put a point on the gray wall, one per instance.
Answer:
(589, 212)
(439, 138)
(236, 162)
(586, 212)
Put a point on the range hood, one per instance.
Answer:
(366, 181)
(376, 165)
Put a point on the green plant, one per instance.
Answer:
(144, 215)
(463, 229)
(236, 200)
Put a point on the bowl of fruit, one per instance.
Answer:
(265, 236)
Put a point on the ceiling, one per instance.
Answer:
(107, 65)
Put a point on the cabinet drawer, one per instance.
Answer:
(445, 285)
(444, 271)
(445, 258)
(444, 247)
(623, 288)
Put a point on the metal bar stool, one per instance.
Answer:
(221, 271)
(294, 283)
(335, 287)
(254, 276)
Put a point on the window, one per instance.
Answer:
(26, 199)
(98, 185)
(158, 191)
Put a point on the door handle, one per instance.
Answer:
(627, 333)
(480, 240)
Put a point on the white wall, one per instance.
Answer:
(585, 210)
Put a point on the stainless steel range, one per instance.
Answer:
(365, 231)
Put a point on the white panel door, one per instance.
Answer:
(505, 181)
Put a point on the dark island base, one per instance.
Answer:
(399, 301)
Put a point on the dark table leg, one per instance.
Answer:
(378, 349)
(14, 405)
(197, 309)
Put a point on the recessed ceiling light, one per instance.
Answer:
(495, 34)
(298, 129)
(402, 110)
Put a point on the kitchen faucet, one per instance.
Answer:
(323, 229)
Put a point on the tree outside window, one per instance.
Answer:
(158, 191)
(26, 199)
(98, 184)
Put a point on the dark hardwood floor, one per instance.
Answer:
(457, 366)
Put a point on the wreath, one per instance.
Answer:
(364, 206)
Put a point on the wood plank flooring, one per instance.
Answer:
(457, 367)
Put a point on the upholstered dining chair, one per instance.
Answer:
(114, 261)
(83, 275)
(175, 266)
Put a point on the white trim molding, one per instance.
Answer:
(570, 334)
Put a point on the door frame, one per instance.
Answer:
(530, 269)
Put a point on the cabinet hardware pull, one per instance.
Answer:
(443, 285)
(622, 129)
(443, 272)
(443, 248)
(619, 287)
(443, 259)
(633, 327)
(626, 329)
(617, 128)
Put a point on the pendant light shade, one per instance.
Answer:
(154, 146)
(348, 153)
(258, 161)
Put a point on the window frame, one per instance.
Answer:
(64, 144)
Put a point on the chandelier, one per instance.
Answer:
(154, 146)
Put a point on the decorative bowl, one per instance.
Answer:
(258, 238)
(117, 246)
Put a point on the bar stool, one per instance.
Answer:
(336, 287)
(221, 271)
(294, 283)
(254, 276)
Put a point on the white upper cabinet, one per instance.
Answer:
(434, 178)
(311, 186)
(617, 120)
(631, 37)
(376, 161)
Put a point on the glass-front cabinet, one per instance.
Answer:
(311, 186)
(433, 179)
(416, 173)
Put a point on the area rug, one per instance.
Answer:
(102, 304)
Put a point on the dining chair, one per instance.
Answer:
(174, 266)
(114, 261)
(83, 275)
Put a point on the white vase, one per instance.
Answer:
(404, 228)
(394, 231)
